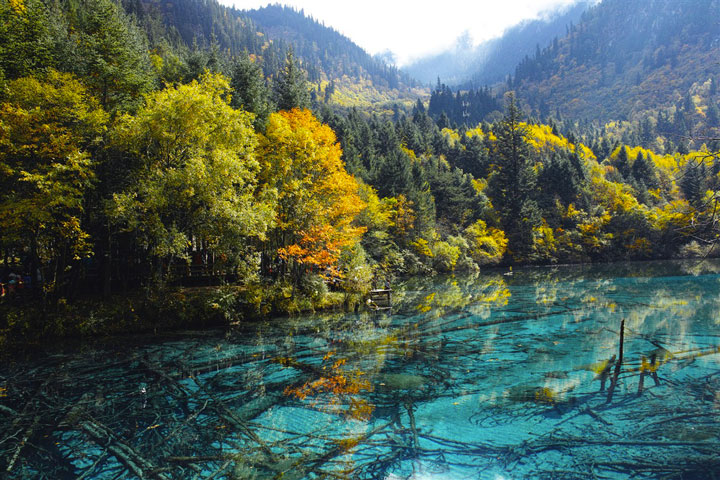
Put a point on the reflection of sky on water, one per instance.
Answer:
(488, 376)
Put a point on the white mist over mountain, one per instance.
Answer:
(407, 30)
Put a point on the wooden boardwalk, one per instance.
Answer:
(380, 299)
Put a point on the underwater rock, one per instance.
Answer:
(401, 381)
(523, 393)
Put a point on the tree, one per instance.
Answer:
(486, 245)
(291, 89)
(513, 182)
(249, 90)
(111, 55)
(25, 42)
(47, 130)
(318, 200)
(197, 175)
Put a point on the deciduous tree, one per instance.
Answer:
(197, 175)
(47, 129)
(317, 199)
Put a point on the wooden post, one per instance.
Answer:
(613, 384)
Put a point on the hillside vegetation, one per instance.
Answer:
(126, 167)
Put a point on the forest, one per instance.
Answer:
(132, 160)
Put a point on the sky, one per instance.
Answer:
(412, 29)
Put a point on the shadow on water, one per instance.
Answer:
(484, 376)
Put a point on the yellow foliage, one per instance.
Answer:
(452, 135)
(479, 184)
(377, 214)
(586, 153)
(408, 152)
(545, 245)
(541, 139)
(18, 6)
(475, 132)
(487, 245)
(318, 200)
(422, 247)
(674, 215)
(615, 197)
(402, 214)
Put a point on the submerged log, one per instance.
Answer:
(132, 460)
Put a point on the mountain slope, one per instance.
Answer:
(266, 34)
(322, 47)
(627, 58)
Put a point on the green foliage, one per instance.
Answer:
(513, 182)
(305, 209)
(25, 41)
(47, 130)
(111, 54)
(197, 174)
(291, 88)
(249, 90)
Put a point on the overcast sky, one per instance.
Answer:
(411, 29)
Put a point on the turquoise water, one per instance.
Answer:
(490, 376)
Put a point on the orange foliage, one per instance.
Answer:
(336, 385)
(318, 200)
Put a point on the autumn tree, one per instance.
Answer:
(48, 127)
(318, 200)
(196, 176)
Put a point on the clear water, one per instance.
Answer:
(484, 377)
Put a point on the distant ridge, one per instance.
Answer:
(627, 58)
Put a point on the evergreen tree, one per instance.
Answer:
(25, 43)
(249, 90)
(713, 115)
(112, 55)
(692, 182)
(513, 183)
(196, 62)
(291, 89)
(644, 172)
(622, 162)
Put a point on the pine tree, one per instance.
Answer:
(112, 55)
(622, 162)
(249, 90)
(291, 89)
(644, 172)
(513, 183)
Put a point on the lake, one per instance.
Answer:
(490, 376)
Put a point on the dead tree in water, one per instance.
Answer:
(614, 382)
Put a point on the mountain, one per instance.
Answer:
(340, 70)
(322, 48)
(629, 60)
(493, 60)
(504, 53)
